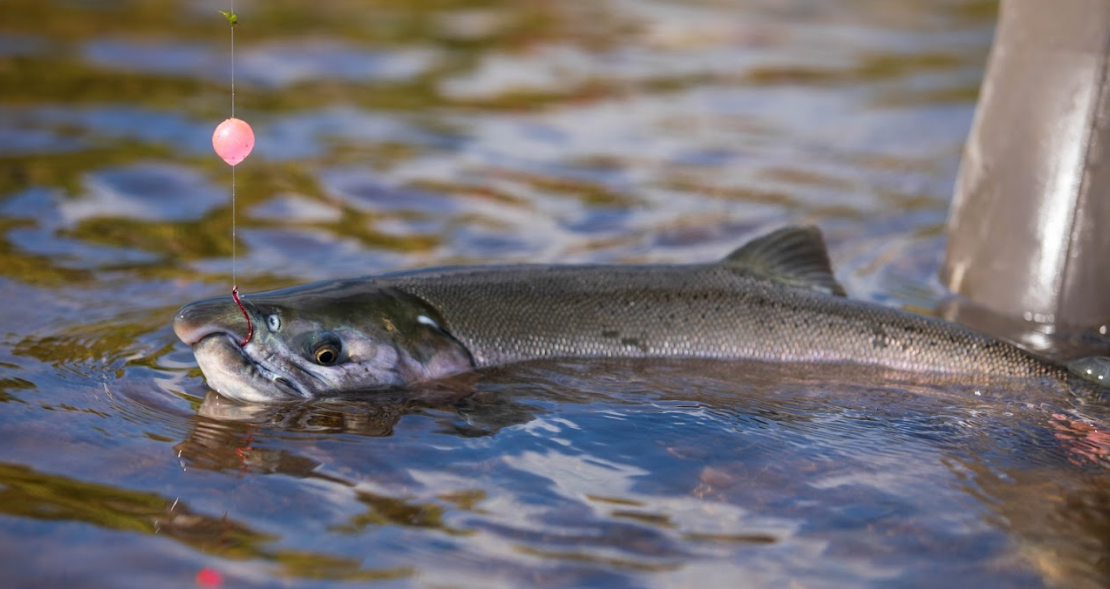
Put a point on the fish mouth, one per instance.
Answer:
(233, 373)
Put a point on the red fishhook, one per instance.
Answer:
(250, 326)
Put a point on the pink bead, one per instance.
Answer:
(210, 578)
(233, 141)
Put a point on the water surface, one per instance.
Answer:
(402, 134)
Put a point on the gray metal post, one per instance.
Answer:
(1029, 229)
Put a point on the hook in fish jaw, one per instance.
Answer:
(250, 325)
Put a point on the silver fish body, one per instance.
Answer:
(510, 314)
(774, 299)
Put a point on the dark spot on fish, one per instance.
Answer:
(881, 339)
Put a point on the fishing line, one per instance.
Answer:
(234, 256)
(234, 278)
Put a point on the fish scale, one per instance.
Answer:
(509, 314)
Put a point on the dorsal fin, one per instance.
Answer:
(792, 255)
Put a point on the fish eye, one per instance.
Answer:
(324, 348)
(326, 354)
(273, 322)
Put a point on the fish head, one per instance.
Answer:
(318, 340)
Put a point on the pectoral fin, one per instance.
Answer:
(792, 255)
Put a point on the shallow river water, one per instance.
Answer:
(397, 134)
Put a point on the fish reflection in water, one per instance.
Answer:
(821, 462)
(462, 412)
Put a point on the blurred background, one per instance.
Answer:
(394, 134)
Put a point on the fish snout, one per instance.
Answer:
(198, 320)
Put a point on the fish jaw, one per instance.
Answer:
(214, 329)
(383, 340)
(232, 372)
(206, 317)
